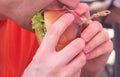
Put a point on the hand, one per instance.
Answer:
(22, 11)
(98, 45)
(64, 63)
(98, 48)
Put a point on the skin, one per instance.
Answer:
(79, 56)
(57, 64)
(21, 11)
(98, 45)
(97, 50)
(88, 52)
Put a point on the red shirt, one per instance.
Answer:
(17, 47)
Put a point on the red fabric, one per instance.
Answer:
(17, 47)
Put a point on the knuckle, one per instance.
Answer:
(84, 59)
(55, 62)
(65, 74)
(105, 35)
(64, 19)
(77, 67)
(110, 46)
(85, 6)
(52, 34)
(79, 43)
(97, 25)
(52, 66)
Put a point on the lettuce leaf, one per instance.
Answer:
(38, 23)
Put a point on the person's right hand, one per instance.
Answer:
(64, 63)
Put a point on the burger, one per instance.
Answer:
(44, 19)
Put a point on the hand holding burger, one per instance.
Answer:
(91, 47)
(43, 21)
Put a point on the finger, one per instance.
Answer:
(100, 38)
(52, 36)
(77, 74)
(72, 4)
(71, 72)
(91, 30)
(71, 50)
(83, 10)
(78, 62)
(68, 73)
(75, 66)
(103, 49)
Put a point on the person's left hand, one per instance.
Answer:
(98, 48)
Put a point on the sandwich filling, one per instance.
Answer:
(39, 23)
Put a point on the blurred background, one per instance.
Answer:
(96, 6)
